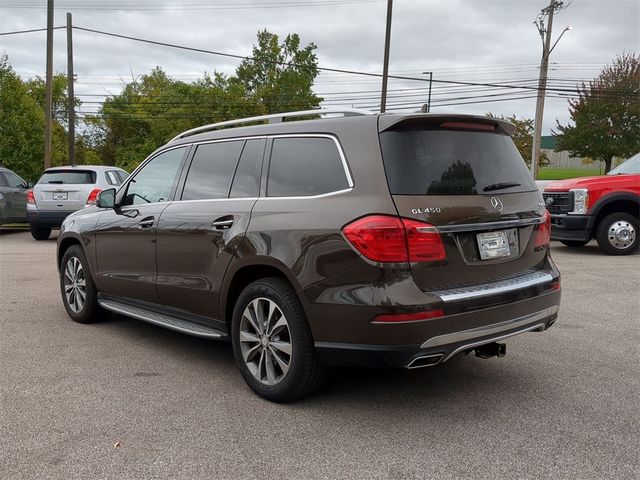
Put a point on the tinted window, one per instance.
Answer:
(154, 182)
(246, 182)
(211, 170)
(112, 177)
(452, 162)
(74, 177)
(305, 166)
(14, 180)
(122, 174)
(630, 166)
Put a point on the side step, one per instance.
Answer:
(163, 320)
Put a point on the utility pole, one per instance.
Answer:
(385, 68)
(70, 95)
(545, 36)
(48, 108)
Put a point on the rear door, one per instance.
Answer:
(64, 189)
(15, 193)
(199, 233)
(470, 182)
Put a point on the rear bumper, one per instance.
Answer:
(571, 227)
(438, 349)
(39, 218)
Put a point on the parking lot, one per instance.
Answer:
(124, 399)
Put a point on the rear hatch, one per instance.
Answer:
(64, 189)
(465, 176)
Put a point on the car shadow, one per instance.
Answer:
(591, 249)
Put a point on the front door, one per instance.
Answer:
(126, 235)
(15, 193)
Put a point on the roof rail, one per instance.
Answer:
(273, 118)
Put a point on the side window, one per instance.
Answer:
(112, 177)
(211, 170)
(14, 181)
(305, 166)
(3, 181)
(122, 175)
(246, 182)
(155, 181)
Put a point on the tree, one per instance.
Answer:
(523, 137)
(606, 114)
(280, 75)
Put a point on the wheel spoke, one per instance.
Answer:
(67, 288)
(260, 364)
(284, 347)
(271, 374)
(284, 366)
(82, 295)
(249, 352)
(69, 272)
(249, 337)
(250, 315)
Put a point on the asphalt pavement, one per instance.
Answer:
(127, 400)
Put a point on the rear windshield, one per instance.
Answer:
(452, 162)
(68, 176)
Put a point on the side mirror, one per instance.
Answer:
(107, 198)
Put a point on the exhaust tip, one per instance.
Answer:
(425, 361)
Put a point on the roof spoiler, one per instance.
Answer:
(395, 121)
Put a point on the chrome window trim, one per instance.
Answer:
(494, 288)
(309, 197)
(215, 199)
(468, 227)
(491, 329)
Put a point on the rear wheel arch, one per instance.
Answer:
(241, 278)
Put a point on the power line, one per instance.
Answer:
(17, 32)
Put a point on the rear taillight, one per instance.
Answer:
(384, 238)
(31, 198)
(93, 196)
(543, 235)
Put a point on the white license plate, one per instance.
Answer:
(493, 245)
(60, 195)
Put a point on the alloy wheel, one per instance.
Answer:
(265, 341)
(75, 285)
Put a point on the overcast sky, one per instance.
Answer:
(480, 41)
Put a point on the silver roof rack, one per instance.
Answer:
(274, 118)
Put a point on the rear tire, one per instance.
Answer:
(574, 243)
(79, 293)
(618, 234)
(272, 342)
(40, 233)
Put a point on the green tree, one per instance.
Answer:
(605, 118)
(280, 75)
(523, 137)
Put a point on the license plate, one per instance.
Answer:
(60, 195)
(493, 245)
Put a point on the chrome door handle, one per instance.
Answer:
(146, 222)
(223, 224)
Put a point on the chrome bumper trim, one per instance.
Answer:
(492, 329)
(482, 226)
(495, 288)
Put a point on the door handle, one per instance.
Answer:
(223, 223)
(146, 222)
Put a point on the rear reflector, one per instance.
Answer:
(543, 235)
(93, 196)
(469, 126)
(31, 199)
(408, 317)
(383, 238)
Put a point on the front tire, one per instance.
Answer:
(617, 234)
(79, 293)
(272, 342)
(40, 233)
(574, 243)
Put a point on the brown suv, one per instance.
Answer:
(391, 240)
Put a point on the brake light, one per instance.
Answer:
(543, 235)
(468, 126)
(384, 238)
(408, 317)
(31, 198)
(93, 196)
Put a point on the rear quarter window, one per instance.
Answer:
(305, 166)
(452, 162)
(63, 177)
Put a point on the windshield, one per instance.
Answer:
(632, 165)
(68, 177)
(452, 162)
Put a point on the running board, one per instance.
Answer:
(162, 320)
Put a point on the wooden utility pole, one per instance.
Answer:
(70, 95)
(48, 108)
(385, 68)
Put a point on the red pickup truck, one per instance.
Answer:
(606, 208)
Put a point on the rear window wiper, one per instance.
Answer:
(57, 182)
(500, 186)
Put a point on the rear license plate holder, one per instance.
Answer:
(494, 245)
(60, 195)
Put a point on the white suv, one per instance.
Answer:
(63, 190)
